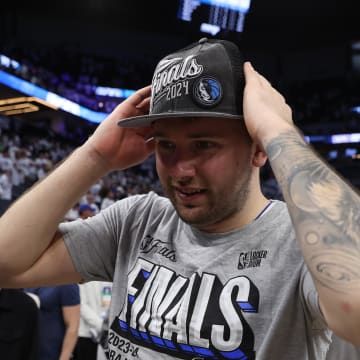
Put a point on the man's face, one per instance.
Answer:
(204, 165)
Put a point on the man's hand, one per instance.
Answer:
(265, 110)
(120, 148)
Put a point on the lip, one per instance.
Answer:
(189, 194)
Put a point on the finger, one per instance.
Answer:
(145, 132)
(248, 71)
(251, 75)
(264, 81)
(144, 105)
(139, 96)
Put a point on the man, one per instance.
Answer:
(59, 317)
(19, 319)
(216, 270)
(95, 301)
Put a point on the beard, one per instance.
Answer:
(217, 206)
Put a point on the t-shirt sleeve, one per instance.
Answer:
(311, 303)
(70, 295)
(93, 243)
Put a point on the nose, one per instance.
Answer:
(182, 166)
(183, 169)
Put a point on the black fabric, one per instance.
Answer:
(19, 318)
(86, 349)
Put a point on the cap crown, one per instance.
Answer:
(205, 75)
(204, 79)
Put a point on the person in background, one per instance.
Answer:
(86, 211)
(215, 269)
(95, 301)
(5, 190)
(72, 213)
(19, 321)
(89, 199)
(59, 320)
(107, 195)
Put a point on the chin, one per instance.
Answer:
(196, 220)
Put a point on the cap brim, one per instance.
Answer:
(147, 120)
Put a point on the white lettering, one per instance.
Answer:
(231, 315)
(201, 304)
(170, 73)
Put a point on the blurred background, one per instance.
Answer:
(64, 66)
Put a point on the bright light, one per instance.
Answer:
(209, 28)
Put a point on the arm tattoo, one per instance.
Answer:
(325, 211)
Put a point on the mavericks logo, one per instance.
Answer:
(207, 92)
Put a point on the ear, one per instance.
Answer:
(259, 156)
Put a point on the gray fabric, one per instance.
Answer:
(244, 294)
(342, 350)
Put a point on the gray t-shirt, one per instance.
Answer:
(342, 350)
(179, 293)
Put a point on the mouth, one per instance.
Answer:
(189, 194)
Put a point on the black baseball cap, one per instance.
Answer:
(204, 79)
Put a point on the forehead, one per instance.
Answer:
(201, 126)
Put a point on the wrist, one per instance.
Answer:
(90, 156)
(275, 131)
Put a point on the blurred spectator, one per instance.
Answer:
(5, 190)
(19, 318)
(95, 301)
(59, 320)
(72, 213)
(86, 211)
(107, 195)
(88, 199)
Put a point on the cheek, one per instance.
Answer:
(228, 168)
(217, 169)
(160, 167)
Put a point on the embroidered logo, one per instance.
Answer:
(251, 258)
(207, 92)
(171, 71)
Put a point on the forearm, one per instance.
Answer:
(28, 227)
(69, 343)
(325, 211)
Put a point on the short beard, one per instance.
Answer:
(224, 206)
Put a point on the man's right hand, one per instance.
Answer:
(119, 148)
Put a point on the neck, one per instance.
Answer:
(247, 213)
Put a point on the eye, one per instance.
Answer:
(203, 145)
(165, 145)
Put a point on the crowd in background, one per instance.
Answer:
(75, 76)
(27, 157)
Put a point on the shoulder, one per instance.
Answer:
(280, 213)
